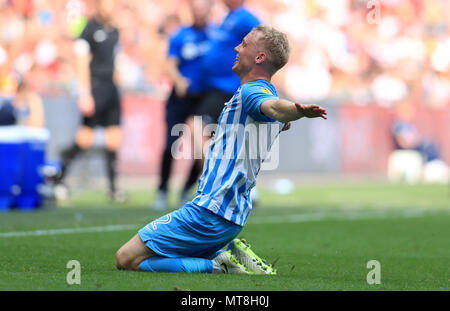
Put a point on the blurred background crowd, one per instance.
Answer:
(387, 54)
(342, 49)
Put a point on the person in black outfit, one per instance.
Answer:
(187, 46)
(7, 112)
(99, 99)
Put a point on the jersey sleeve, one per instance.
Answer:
(175, 46)
(88, 33)
(252, 98)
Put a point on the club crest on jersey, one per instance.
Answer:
(100, 35)
(264, 90)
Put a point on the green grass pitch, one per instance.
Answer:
(322, 235)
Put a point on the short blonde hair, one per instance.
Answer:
(276, 46)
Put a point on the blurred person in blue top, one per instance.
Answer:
(187, 46)
(7, 112)
(24, 109)
(218, 61)
(200, 236)
(29, 107)
(406, 136)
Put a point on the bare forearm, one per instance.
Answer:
(83, 73)
(172, 71)
(36, 117)
(286, 111)
(281, 110)
(180, 82)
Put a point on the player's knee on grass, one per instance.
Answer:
(132, 253)
(125, 261)
(128, 261)
(120, 260)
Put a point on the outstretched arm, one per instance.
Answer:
(285, 111)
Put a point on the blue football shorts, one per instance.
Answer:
(190, 231)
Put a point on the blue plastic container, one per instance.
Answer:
(33, 161)
(11, 147)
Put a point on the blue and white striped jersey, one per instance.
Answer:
(242, 141)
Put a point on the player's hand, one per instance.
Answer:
(181, 87)
(86, 104)
(312, 111)
(286, 126)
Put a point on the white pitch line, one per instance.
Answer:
(67, 231)
(342, 215)
(292, 218)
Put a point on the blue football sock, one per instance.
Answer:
(165, 264)
(216, 254)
